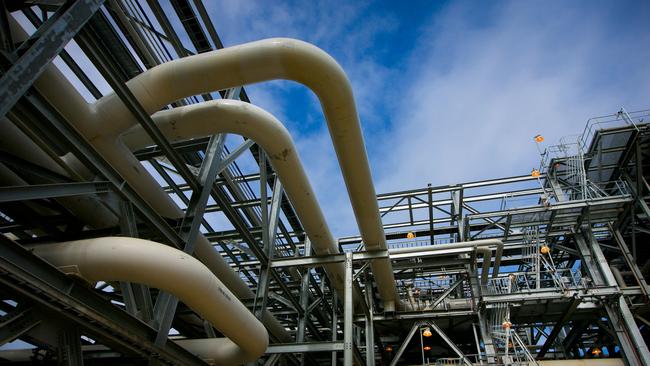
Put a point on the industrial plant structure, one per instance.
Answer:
(108, 254)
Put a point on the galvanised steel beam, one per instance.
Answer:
(404, 344)
(629, 260)
(43, 117)
(450, 188)
(46, 191)
(304, 296)
(550, 340)
(28, 276)
(305, 347)
(17, 323)
(348, 310)
(65, 56)
(449, 342)
(6, 43)
(107, 66)
(621, 319)
(165, 306)
(49, 40)
(69, 347)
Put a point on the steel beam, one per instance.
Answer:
(444, 295)
(17, 323)
(165, 307)
(305, 347)
(46, 191)
(32, 278)
(334, 325)
(108, 68)
(558, 327)
(370, 324)
(304, 296)
(69, 348)
(450, 343)
(44, 118)
(404, 344)
(348, 312)
(629, 260)
(49, 40)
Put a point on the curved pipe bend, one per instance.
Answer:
(276, 58)
(169, 269)
(59, 92)
(233, 116)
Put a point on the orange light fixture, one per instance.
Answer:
(410, 235)
(427, 332)
(539, 138)
(389, 348)
(427, 348)
(535, 173)
(506, 325)
(596, 351)
(544, 249)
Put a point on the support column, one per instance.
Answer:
(137, 297)
(70, 348)
(619, 314)
(166, 304)
(334, 324)
(348, 346)
(490, 352)
(304, 296)
(370, 325)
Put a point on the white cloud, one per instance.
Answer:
(465, 101)
(477, 93)
(342, 30)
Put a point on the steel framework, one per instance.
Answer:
(514, 271)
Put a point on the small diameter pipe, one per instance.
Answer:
(483, 246)
(171, 270)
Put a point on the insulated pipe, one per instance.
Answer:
(249, 63)
(88, 209)
(483, 246)
(54, 86)
(277, 58)
(171, 270)
(233, 116)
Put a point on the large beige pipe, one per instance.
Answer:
(54, 86)
(277, 58)
(483, 246)
(103, 121)
(233, 116)
(88, 209)
(171, 270)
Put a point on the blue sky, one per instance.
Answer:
(447, 92)
(450, 91)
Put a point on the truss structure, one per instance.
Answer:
(510, 271)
